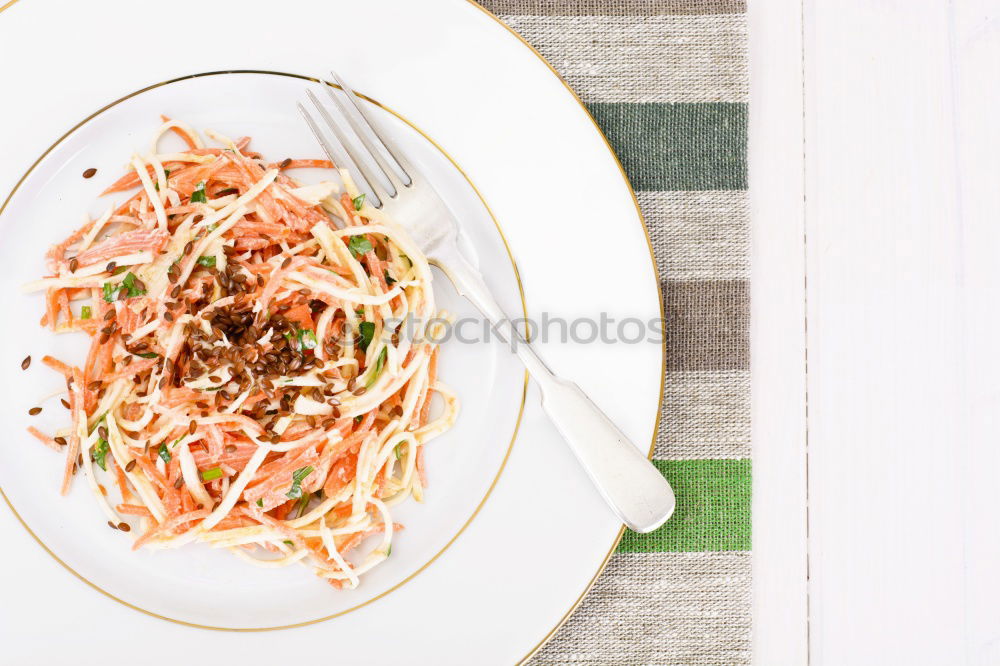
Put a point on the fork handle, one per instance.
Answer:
(630, 484)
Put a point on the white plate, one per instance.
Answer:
(199, 585)
(537, 543)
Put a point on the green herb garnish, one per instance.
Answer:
(399, 456)
(379, 364)
(357, 419)
(164, 453)
(148, 355)
(198, 196)
(207, 262)
(85, 312)
(307, 339)
(211, 474)
(359, 245)
(260, 502)
(388, 279)
(295, 492)
(303, 503)
(367, 330)
(110, 291)
(359, 201)
(100, 453)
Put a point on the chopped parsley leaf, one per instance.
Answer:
(359, 245)
(110, 291)
(307, 339)
(207, 262)
(198, 196)
(164, 453)
(100, 453)
(367, 330)
(295, 492)
(359, 201)
(85, 312)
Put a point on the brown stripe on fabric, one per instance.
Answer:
(613, 7)
(707, 324)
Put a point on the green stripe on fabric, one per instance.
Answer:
(690, 146)
(713, 509)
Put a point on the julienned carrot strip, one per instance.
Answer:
(302, 164)
(168, 526)
(425, 409)
(73, 450)
(420, 466)
(189, 140)
(355, 539)
(44, 439)
(57, 365)
(134, 510)
(123, 489)
(151, 470)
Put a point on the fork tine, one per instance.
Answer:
(387, 144)
(388, 172)
(336, 155)
(360, 167)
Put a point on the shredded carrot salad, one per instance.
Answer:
(249, 384)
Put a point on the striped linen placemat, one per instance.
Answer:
(667, 82)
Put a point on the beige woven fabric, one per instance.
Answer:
(621, 621)
(620, 58)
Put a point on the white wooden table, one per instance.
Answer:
(875, 168)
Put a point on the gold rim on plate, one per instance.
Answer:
(517, 423)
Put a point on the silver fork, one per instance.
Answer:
(631, 485)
